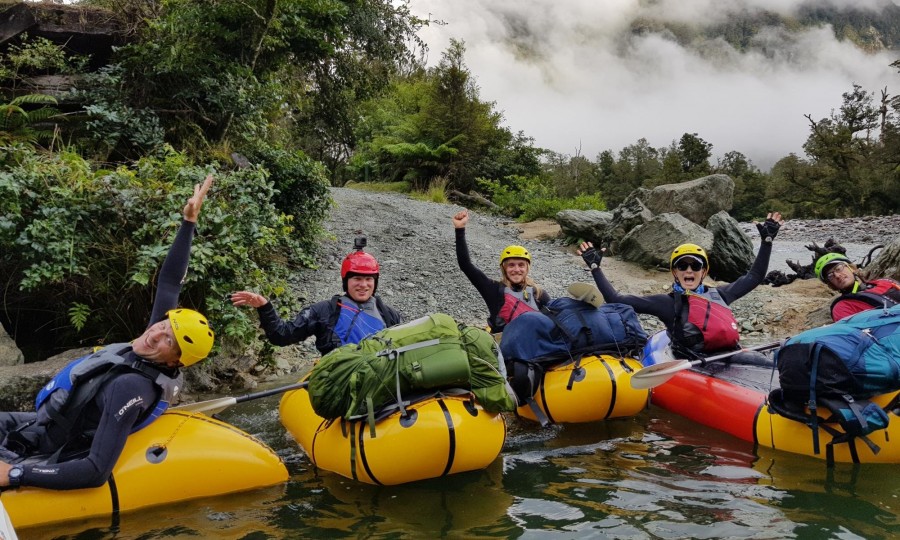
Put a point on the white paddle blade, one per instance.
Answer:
(657, 374)
(211, 407)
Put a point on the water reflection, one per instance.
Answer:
(652, 476)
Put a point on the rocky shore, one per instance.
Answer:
(414, 243)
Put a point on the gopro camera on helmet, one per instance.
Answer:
(359, 243)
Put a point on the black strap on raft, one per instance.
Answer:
(811, 404)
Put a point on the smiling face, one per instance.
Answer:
(515, 270)
(840, 276)
(158, 344)
(361, 288)
(689, 272)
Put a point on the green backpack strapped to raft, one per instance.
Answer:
(430, 353)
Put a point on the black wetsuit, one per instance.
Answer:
(317, 320)
(492, 291)
(118, 405)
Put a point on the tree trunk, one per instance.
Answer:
(887, 263)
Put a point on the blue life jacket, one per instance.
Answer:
(63, 398)
(354, 324)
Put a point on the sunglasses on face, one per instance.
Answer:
(696, 266)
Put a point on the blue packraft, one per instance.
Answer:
(839, 367)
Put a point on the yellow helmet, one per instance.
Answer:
(193, 334)
(514, 252)
(688, 249)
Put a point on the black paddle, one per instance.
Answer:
(657, 374)
(215, 406)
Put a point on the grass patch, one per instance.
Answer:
(392, 187)
(436, 192)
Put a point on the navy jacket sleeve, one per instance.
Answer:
(311, 321)
(122, 401)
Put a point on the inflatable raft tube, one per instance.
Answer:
(441, 435)
(597, 388)
(178, 457)
(732, 398)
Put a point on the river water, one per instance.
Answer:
(652, 476)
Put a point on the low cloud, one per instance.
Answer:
(578, 78)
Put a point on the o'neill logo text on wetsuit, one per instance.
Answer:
(133, 401)
(45, 470)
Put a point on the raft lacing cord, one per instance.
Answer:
(187, 416)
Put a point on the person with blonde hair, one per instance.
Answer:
(510, 296)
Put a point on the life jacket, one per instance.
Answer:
(879, 293)
(353, 324)
(708, 324)
(63, 399)
(515, 303)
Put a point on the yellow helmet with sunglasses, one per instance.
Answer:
(688, 249)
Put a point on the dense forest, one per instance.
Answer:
(282, 98)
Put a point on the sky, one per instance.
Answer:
(571, 74)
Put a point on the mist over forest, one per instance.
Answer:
(585, 76)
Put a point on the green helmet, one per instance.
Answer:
(827, 260)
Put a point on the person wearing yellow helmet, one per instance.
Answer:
(697, 317)
(84, 415)
(515, 293)
(856, 294)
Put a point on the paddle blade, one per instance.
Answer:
(657, 374)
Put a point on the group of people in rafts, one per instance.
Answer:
(141, 378)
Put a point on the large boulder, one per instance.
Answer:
(10, 355)
(732, 251)
(587, 225)
(651, 244)
(628, 215)
(20, 384)
(697, 200)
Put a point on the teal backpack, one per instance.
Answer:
(430, 353)
(839, 367)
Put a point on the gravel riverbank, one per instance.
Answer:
(414, 243)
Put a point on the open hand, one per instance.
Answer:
(247, 298)
(769, 228)
(591, 255)
(192, 208)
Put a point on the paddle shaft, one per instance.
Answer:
(218, 405)
(657, 374)
(729, 354)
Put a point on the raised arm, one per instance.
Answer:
(174, 268)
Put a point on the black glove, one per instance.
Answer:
(592, 257)
(767, 230)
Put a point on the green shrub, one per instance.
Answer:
(80, 248)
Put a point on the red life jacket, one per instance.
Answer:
(879, 293)
(708, 324)
(516, 303)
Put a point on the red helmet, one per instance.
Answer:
(359, 263)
